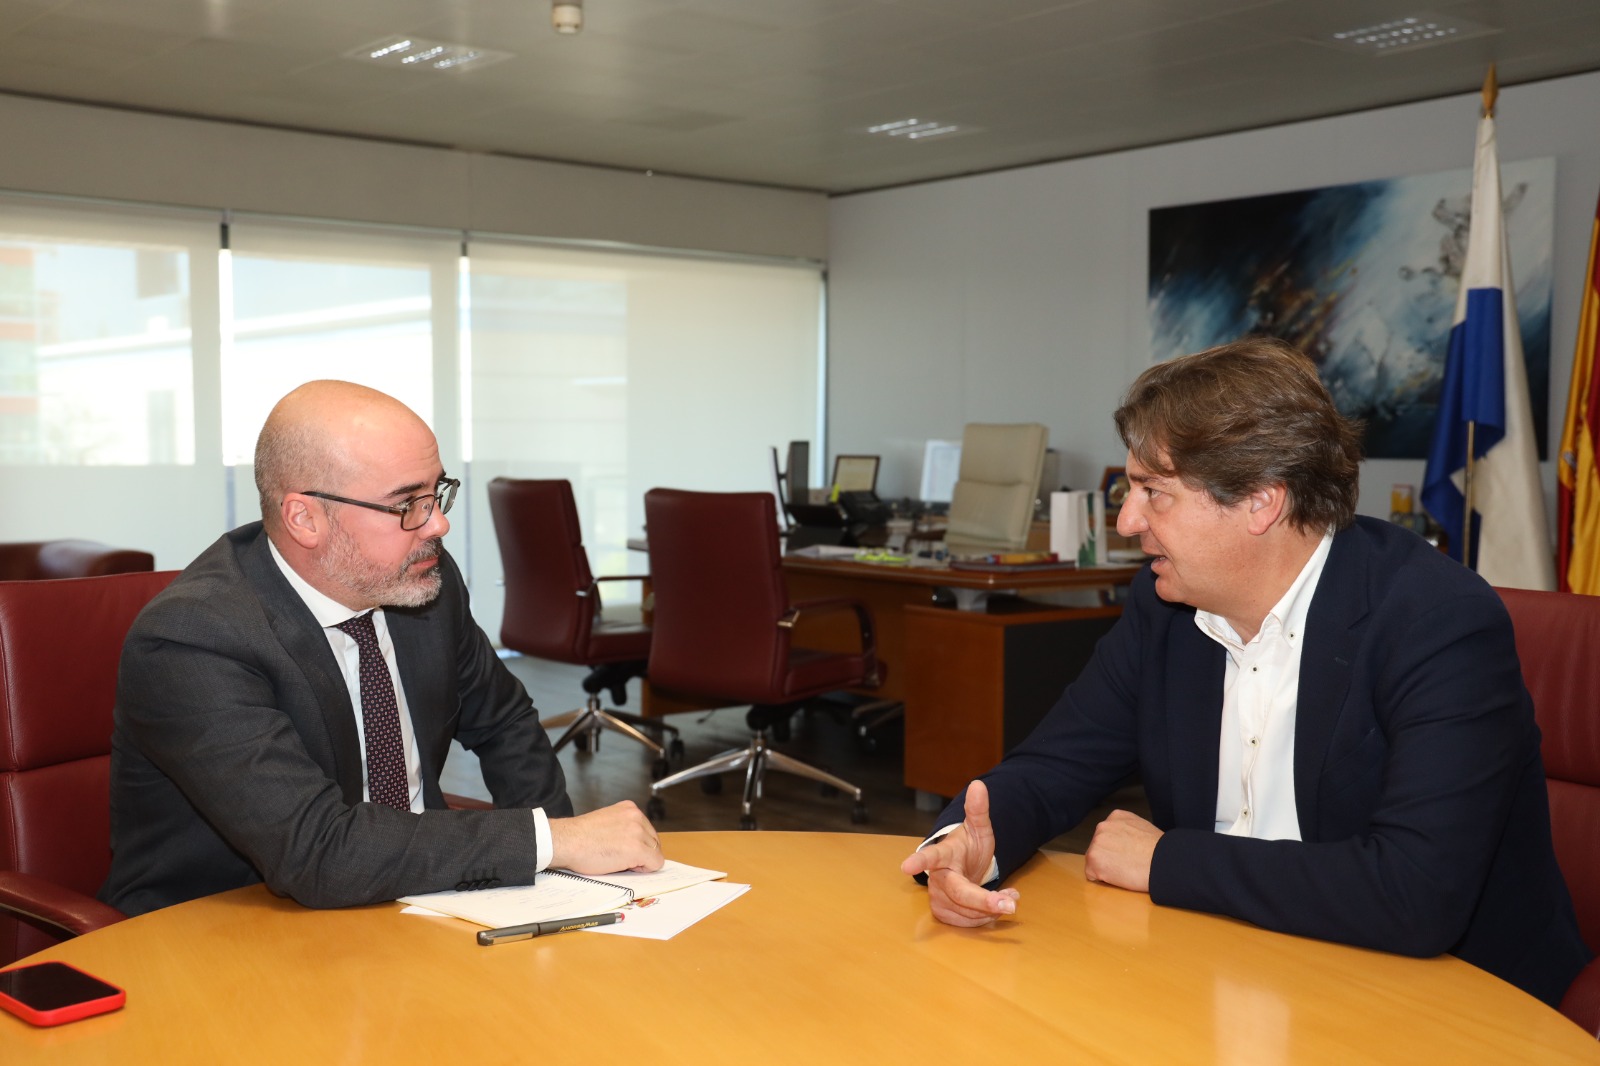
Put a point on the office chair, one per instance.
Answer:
(60, 642)
(553, 612)
(38, 560)
(991, 507)
(723, 623)
(1557, 634)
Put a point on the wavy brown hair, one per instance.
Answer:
(1241, 416)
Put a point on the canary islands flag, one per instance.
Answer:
(1485, 384)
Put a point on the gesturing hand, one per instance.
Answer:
(958, 864)
(618, 837)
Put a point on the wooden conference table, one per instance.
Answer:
(831, 957)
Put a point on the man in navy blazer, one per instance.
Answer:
(237, 752)
(1327, 714)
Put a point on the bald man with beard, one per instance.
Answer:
(239, 752)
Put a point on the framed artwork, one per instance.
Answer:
(1363, 278)
(1114, 485)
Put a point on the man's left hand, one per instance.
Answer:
(1121, 851)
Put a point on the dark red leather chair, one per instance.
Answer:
(60, 642)
(1558, 641)
(553, 611)
(723, 623)
(38, 560)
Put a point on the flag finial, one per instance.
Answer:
(1491, 90)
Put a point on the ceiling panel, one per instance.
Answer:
(775, 91)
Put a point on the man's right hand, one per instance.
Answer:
(957, 865)
(606, 841)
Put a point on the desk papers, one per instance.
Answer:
(557, 894)
(664, 917)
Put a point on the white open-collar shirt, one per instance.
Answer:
(1260, 695)
(329, 613)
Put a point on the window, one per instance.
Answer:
(139, 359)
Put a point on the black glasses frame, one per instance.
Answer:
(444, 493)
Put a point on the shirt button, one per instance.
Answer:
(1254, 741)
(1245, 813)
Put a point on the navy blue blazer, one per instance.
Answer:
(1424, 821)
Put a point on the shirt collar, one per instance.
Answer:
(325, 609)
(1288, 615)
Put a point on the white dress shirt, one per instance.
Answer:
(1260, 695)
(329, 613)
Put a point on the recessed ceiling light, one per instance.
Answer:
(912, 129)
(418, 54)
(1422, 30)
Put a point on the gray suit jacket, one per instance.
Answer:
(235, 760)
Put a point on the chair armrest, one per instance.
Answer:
(466, 803)
(56, 908)
(869, 641)
(1582, 1001)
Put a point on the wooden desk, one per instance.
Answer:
(887, 591)
(831, 957)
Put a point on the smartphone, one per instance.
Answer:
(53, 993)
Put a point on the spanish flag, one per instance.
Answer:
(1578, 479)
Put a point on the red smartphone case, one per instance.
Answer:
(56, 993)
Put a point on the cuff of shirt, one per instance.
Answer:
(541, 839)
(989, 878)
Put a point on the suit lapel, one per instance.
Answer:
(1333, 635)
(297, 630)
(1194, 721)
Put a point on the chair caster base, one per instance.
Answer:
(581, 742)
(660, 768)
(676, 749)
(654, 809)
(858, 814)
(747, 821)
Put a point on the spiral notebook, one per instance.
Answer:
(558, 894)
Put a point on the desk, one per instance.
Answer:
(966, 680)
(831, 957)
(888, 590)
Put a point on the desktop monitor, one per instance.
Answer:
(1050, 474)
(799, 472)
(855, 473)
(941, 465)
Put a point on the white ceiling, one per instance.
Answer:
(777, 92)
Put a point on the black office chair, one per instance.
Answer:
(553, 612)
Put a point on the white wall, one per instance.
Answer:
(77, 150)
(1021, 295)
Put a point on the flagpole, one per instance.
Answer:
(1491, 90)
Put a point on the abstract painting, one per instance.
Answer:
(1362, 278)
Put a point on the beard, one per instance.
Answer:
(344, 564)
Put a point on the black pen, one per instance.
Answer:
(489, 937)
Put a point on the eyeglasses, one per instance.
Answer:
(415, 512)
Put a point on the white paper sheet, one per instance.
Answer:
(664, 917)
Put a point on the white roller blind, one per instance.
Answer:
(102, 422)
(623, 372)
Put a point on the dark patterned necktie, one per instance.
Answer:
(380, 718)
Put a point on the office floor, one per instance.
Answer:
(621, 770)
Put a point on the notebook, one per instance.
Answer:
(558, 894)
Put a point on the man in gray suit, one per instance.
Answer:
(285, 706)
